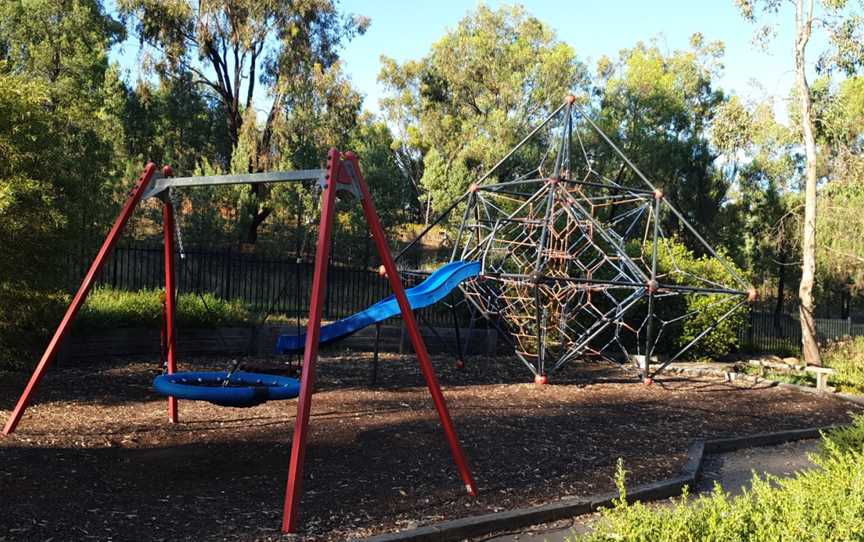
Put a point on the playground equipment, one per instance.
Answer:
(342, 175)
(432, 290)
(571, 237)
(227, 388)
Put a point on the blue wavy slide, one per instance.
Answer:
(430, 291)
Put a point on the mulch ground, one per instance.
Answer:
(94, 458)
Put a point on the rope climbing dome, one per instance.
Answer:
(576, 257)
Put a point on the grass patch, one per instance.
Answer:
(845, 357)
(825, 504)
(108, 309)
(800, 378)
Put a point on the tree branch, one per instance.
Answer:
(251, 88)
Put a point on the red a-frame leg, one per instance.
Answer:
(410, 321)
(293, 490)
(51, 351)
(170, 297)
(336, 171)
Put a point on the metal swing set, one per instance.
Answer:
(342, 175)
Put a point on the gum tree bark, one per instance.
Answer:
(803, 30)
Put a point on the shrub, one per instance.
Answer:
(106, 308)
(825, 503)
(690, 314)
(26, 317)
(844, 439)
(681, 266)
(847, 358)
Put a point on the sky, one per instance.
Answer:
(406, 29)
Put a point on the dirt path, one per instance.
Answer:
(733, 471)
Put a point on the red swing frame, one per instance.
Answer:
(342, 173)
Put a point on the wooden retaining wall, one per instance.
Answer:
(136, 342)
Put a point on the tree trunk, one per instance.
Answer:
(810, 346)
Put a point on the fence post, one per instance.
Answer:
(750, 333)
(327, 313)
(227, 255)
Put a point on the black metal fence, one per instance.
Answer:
(281, 284)
(781, 333)
(268, 284)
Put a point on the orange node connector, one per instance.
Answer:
(752, 295)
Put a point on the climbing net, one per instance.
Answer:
(576, 260)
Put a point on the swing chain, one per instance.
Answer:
(175, 203)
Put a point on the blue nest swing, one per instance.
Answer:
(237, 389)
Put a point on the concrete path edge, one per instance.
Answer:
(459, 529)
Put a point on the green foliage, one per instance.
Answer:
(26, 317)
(845, 439)
(56, 161)
(173, 121)
(659, 108)
(476, 94)
(847, 359)
(800, 378)
(229, 47)
(62, 43)
(394, 197)
(824, 504)
(41, 211)
(106, 309)
(678, 265)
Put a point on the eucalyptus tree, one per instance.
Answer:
(60, 48)
(840, 134)
(233, 46)
(760, 153)
(842, 26)
(659, 107)
(481, 87)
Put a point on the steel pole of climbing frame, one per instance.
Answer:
(652, 289)
(72, 311)
(352, 163)
(294, 487)
(170, 296)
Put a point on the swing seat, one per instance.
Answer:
(242, 389)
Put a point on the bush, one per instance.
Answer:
(690, 314)
(26, 320)
(845, 439)
(29, 317)
(825, 503)
(847, 358)
(106, 308)
(681, 266)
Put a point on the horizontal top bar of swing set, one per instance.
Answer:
(603, 282)
(165, 183)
